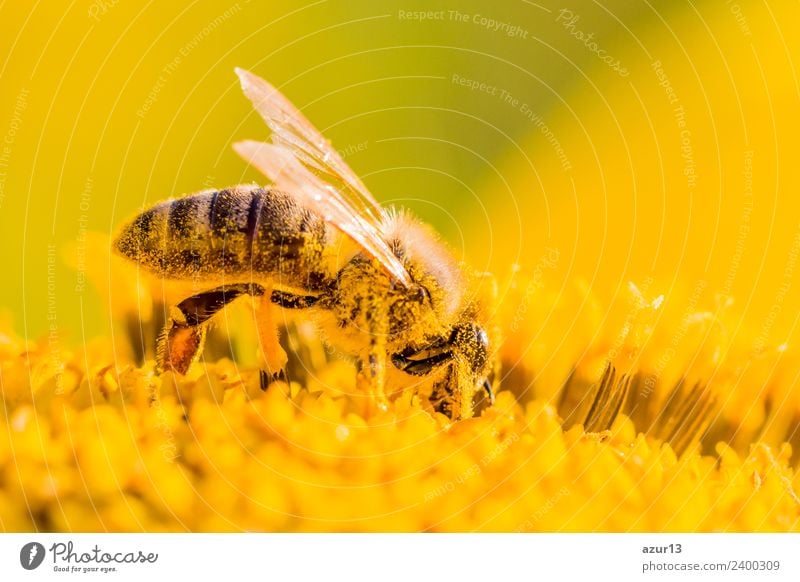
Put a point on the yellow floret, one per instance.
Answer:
(118, 448)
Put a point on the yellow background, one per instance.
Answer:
(111, 106)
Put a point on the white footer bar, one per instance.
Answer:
(401, 557)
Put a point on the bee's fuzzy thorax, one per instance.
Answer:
(421, 249)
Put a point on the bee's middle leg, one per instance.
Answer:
(273, 355)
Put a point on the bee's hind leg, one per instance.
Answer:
(179, 345)
(181, 342)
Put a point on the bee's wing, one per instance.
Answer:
(302, 162)
(282, 167)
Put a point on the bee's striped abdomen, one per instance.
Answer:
(246, 233)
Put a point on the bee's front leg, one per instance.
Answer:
(373, 372)
(377, 366)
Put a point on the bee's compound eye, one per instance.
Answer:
(481, 337)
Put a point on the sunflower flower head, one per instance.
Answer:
(641, 418)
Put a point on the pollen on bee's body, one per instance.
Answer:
(143, 239)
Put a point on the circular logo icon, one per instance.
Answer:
(31, 555)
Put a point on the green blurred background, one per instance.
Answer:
(499, 123)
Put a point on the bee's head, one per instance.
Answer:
(462, 365)
(436, 325)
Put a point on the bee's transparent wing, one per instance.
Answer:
(302, 162)
(282, 167)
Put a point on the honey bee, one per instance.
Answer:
(377, 282)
